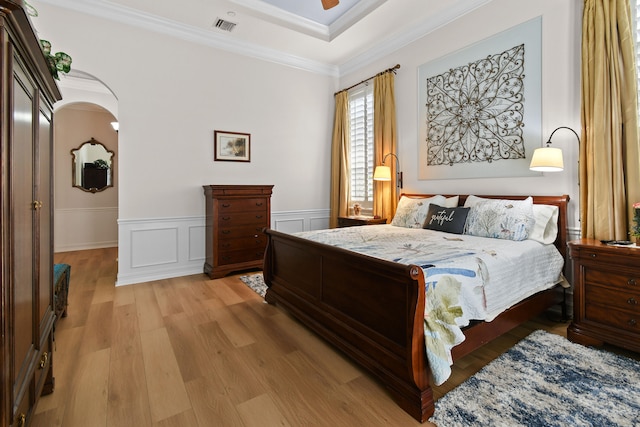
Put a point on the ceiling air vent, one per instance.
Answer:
(224, 25)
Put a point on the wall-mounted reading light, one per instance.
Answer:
(549, 159)
(383, 173)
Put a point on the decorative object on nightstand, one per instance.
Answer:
(235, 218)
(606, 294)
(351, 221)
(357, 209)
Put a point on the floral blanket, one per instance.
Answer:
(467, 277)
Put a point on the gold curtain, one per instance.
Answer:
(340, 169)
(385, 196)
(610, 151)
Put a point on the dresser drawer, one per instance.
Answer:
(242, 205)
(604, 315)
(613, 299)
(242, 255)
(608, 278)
(249, 243)
(258, 219)
(226, 233)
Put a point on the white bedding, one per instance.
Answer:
(485, 276)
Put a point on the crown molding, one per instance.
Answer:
(129, 16)
(392, 44)
(189, 33)
(304, 25)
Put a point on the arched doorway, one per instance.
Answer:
(84, 219)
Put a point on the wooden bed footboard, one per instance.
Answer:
(371, 309)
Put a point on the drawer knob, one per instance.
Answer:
(258, 203)
(632, 282)
(632, 322)
(226, 218)
(226, 205)
(226, 231)
(258, 216)
(593, 255)
(632, 301)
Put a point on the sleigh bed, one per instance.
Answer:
(373, 309)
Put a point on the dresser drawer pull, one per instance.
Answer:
(226, 205)
(632, 301)
(632, 322)
(226, 218)
(593, 255)
(259, 216)
(43, 360)
(255, 236)
(226, 231)
(258, 203)
(632, 282)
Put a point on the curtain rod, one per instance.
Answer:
(392, 69)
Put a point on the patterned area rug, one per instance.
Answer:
(546, 380)
(255, 282)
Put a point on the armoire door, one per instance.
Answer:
(23, 209)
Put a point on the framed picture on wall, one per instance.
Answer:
(231, 146)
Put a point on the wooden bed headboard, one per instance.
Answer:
(560, 201)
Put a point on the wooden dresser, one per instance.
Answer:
(606, 295)
(235, 218)
(26, 210)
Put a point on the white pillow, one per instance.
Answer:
(473, 200)
(545, 229)
(412, 213)
(501, 219)
(452, 202)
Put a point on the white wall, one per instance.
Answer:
(561, 28)
(173, 94)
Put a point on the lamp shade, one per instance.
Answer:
(547, 159)
(382, 173)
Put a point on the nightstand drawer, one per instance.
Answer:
(616, 280)
(613, 299)
(615, 318)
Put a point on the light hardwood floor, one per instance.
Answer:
(191, 351)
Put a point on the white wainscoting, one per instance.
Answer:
(155, 249)
(75, 229)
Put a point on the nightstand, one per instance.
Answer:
(606, 294)
(350, 221)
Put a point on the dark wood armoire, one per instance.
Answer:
(27, 94)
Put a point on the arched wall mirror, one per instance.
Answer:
(92, 167)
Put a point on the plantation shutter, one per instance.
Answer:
(361, 118)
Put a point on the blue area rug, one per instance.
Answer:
(546, 380)
(255, 282)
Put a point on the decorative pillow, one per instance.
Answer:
(412, 213)
(452, 202)
(501, 219)
(545, 229)
(450, 220)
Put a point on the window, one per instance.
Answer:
(361, 118)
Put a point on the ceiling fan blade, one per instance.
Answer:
(328, 4)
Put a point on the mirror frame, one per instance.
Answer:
(74, 160)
